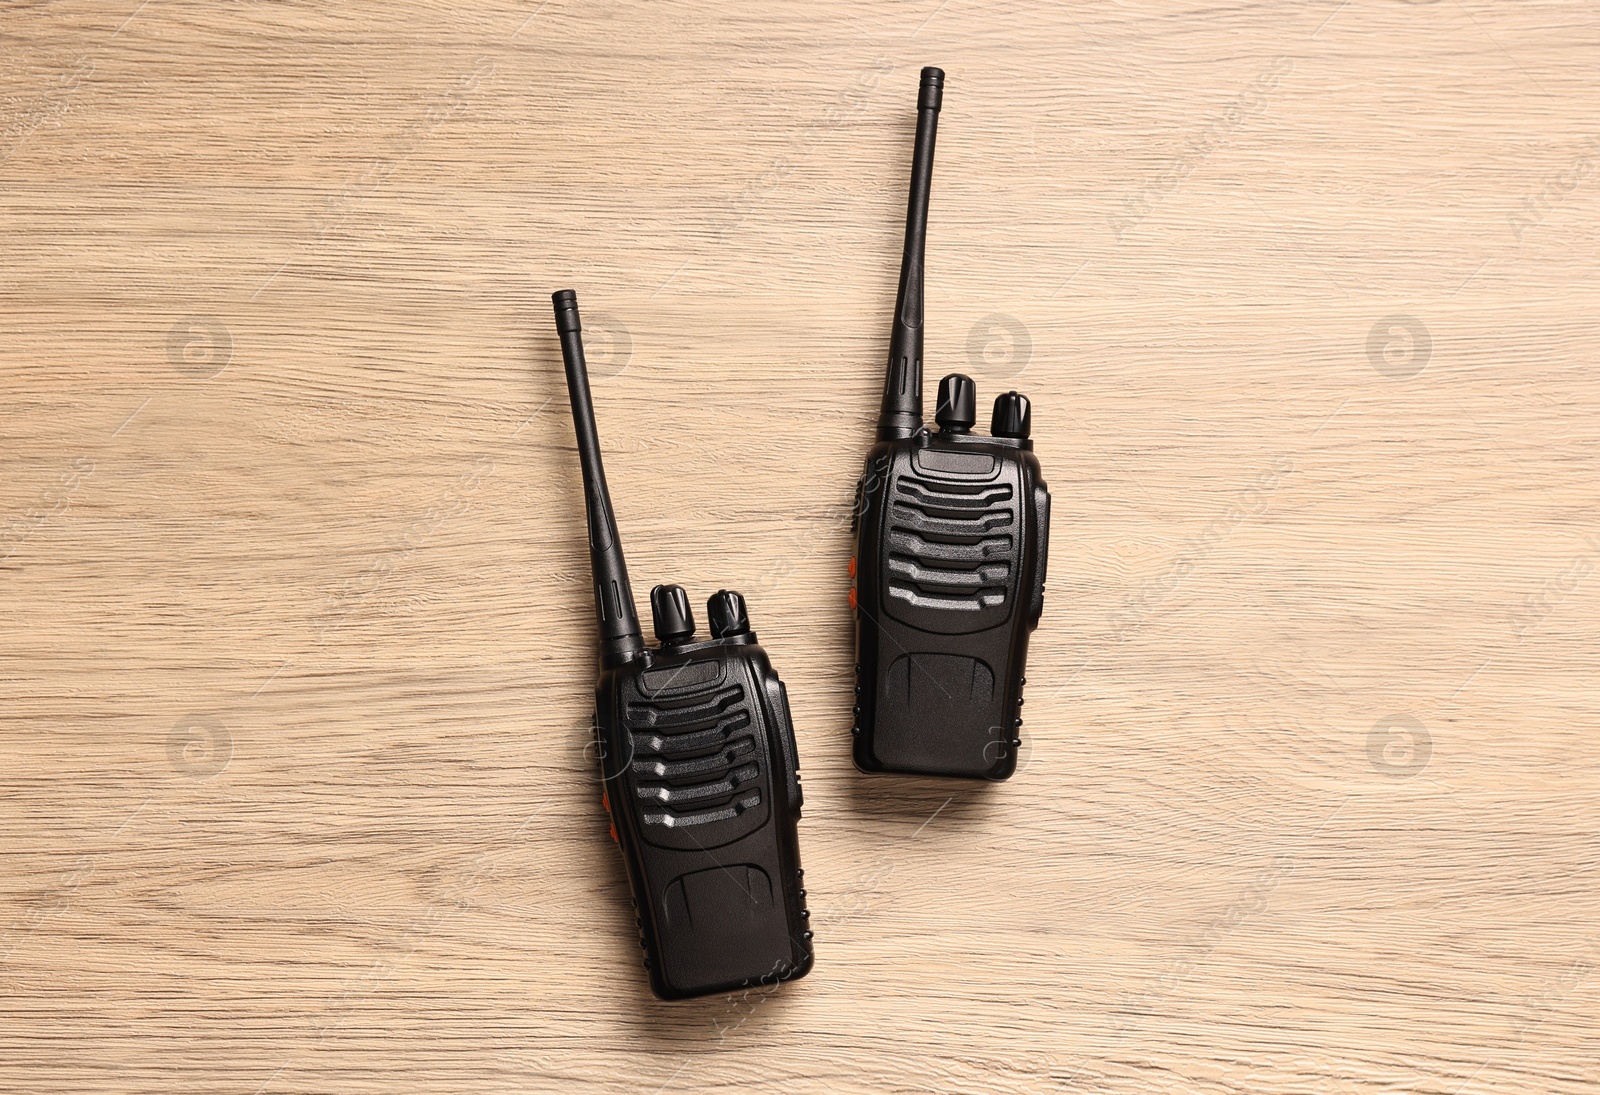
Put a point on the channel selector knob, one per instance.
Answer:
(669, 608)
(958, 403)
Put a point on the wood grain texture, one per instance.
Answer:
(297, 651)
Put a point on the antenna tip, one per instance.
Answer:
(566, 305)
(932, 92)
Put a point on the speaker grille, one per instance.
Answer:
(694, 760)
(950, 544)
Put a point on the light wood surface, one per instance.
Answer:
(297, 649)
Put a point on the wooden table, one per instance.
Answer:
(298, 652)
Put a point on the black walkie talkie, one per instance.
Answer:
(952, 536)
(698, 756)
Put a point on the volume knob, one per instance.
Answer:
(726, 612)
(669, 608)
(1012, 416)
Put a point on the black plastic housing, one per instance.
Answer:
(698, 757)
(953, 533)
(703, 785)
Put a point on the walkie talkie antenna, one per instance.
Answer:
(901, 414)
(620, 637)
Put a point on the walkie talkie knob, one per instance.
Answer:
(726, 612)
(1013, 417)
(669, 607)
(958, 403)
